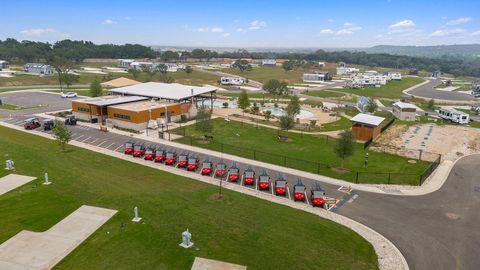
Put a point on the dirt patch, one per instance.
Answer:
(340, 170)
(203, 141)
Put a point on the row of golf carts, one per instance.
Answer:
(48, 124)
(221, 171)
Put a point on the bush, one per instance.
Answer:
(183, 118)
(225, 104)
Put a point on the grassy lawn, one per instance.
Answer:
(238, 229)
(11, 107)
(392, 89)
(324, 93)
(304, 148)
(195, 78)
(263, 74)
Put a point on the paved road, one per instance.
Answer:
(428, 91)
(45, 86)
(435, 231)
(440, 230)
(221, 74)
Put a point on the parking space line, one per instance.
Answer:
(110, 145)
(102, 143)
(78, 138)
(87, 139)
(117, 148)
(93, 141)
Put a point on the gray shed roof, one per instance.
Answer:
(172, 91)
(367, 119)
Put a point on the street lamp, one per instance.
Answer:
(366, 159)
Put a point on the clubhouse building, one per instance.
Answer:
(143, 105)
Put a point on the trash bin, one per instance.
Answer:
(160, 134)
(94, 120)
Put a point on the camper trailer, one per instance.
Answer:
(454, 116)
(232, 81)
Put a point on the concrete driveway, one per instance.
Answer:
(428, 91)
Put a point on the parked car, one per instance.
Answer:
(280, 186)
(192, 164)
(171, 158)
(150, 152)
(31, 123)
(249, 176)
(317, 195)
(299, 190)
(48, 124)
(69, 95)
(264, 181)
(159, 155)
(220, 170)
(138, 150)
(206, 168)
(182, 160)
(233, 174)
(70, 120)
(128, 149)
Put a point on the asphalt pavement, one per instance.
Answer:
(428, 91)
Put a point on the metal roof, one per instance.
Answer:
(112, 101)
(367, 119)
(172, 91)
(404, 105)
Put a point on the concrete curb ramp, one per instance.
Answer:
(13, 181)
(40, 251)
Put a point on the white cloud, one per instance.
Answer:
(108, 21)
(216, 30)
(241, 30)
(225, 34)
(326, 31)
(447, 32)
(348, 30)
(44, 33)
(476, 33)
(203, 29)
(347, 24)
(255, 25)
(330, 20)
(402, 24)
(460, 20)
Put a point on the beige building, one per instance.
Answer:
(404, 111)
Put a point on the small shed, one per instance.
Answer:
(366, 126)
(404, 111)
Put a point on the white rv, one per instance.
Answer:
(454, 116)
(232, 80)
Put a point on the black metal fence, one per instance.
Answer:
(312, 166)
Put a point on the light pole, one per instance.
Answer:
(366, 159)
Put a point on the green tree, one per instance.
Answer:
(286, 122)
(62, 66)
(293, 107)
(135, 73)
(162, 68)
(267, 115)
(276, 88)
(288, 65)
(69, 79)
(345, 145)
(150, 71)
(169, 55)
(243, 100)
(431, 104)
(188, 69)
(96, 89)
(61, 133)
(242, 65)
(371, 106)
(166, 79)
(203, 123)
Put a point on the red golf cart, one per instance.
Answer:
(159, 155)
(220, 170)
(31, 123)
(171, 158)
(249, 177)
(280, 186)
(128, 149)
(233, 174)
(182, 160)
(206, 168)
(317, 195)
(192, 164)
(150, 152)
(138, 150)
(264, 181)
(299, 191)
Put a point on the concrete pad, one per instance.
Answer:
(207, 264)
(39, 251)
(12, 181)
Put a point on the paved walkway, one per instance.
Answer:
(207, 264)
(13, 181)
(41, 251)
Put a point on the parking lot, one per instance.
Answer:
(33, 102)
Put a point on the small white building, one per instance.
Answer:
(317, 77)
(346, 71)
(3, 64)
(404, 111)
(394, 76)
(366, 80)
(454, 116)
(38, 69)
(268, 62)
(173, 67)
(232, 80)
(125, 63)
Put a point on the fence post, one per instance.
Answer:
(356, 179)
(254, 155)
(221, 147)
(318, 168)
(389, 178)
(420, 180)
(285, 161)
(191, 141)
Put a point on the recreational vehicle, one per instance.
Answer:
(232, 81)
(454, 116)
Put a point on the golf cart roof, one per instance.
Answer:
(299, 188)
(207, 163)
(281, 183)
(318, 193)
(31, 119)
(221, 165)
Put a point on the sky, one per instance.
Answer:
(260, 23)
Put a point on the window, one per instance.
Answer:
(162, 114)
(121, 116)
(82, 109)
